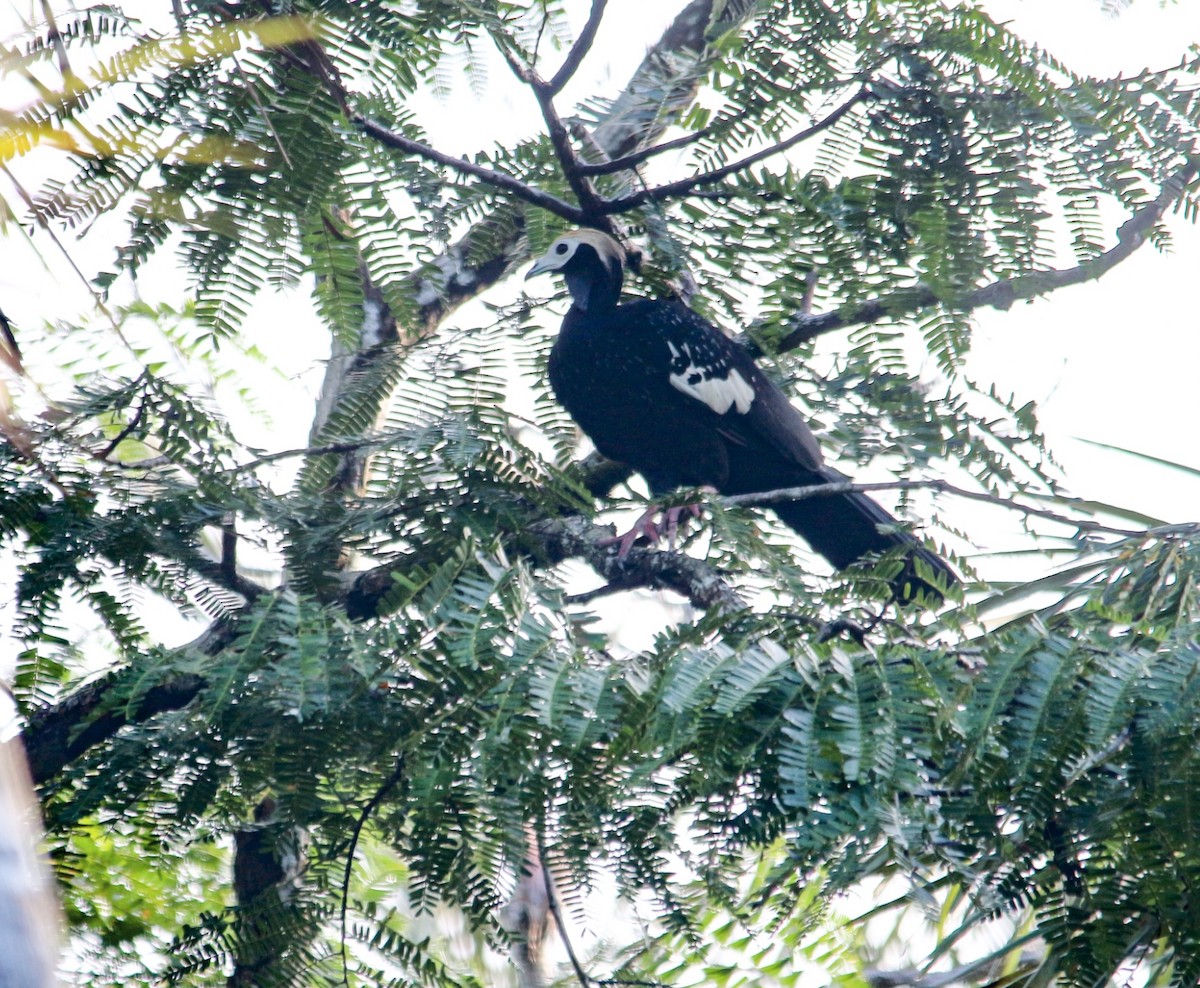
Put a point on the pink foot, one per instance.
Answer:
(672, 516)
(647, 526)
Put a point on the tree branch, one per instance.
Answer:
(551, 541)
(658, 89)
(578, 50)
(1002, 294)
(767, 498)
(55, 736)
(556, 911)
(630, 161)
(225, 575)
(560, 139)
(355, 834)
(592, 207)
(499, 180)
(686, 185)
(577, 538)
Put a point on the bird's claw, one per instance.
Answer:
(672, 516)
(648, 527)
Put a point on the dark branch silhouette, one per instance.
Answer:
(499, 180)
(1002, 294)
(630, 161)
(360, 822)
(592, 207)
(681, 188)
(579, 50)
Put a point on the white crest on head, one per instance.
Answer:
(559, 254)
(702, 383)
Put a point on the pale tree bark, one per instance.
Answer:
(29, 917)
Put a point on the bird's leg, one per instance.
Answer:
(647, 526)
(672, 515)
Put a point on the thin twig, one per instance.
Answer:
(684, 186)
(556, 912)
(629, 161)
(124, 434)
(48, 230)
(262, 110)
(1098, 758)
(810, 289)
(767, 498)
(537, 42)
(525, 73)
(499, 180)
(578, 50)
(588, 596)
(54, 36)
(388, 785)
(349, 446)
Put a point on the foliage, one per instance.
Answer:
(404, 667)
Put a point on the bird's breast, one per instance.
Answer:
(618, 386)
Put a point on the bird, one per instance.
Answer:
(659, 388)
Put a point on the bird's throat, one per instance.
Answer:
(580, 286)
(591, 294)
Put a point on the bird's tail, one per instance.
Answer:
(845, 528)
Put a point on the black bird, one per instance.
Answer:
(659, 388)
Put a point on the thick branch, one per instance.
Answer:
(554, 540)
(681, 188)
(224, 574)
(492, 177)
(1002, 294)
(56, 736)
(577, 538)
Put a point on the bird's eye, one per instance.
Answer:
(560, 249)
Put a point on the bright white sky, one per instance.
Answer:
(1113, 360)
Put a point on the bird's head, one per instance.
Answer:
(592, 262)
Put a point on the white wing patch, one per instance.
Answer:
(718, 393)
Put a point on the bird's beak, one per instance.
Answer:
(540, 266)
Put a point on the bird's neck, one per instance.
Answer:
(595, 290)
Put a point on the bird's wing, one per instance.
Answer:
(751, 411)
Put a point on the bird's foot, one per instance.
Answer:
(672, 517)
(647, 526)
